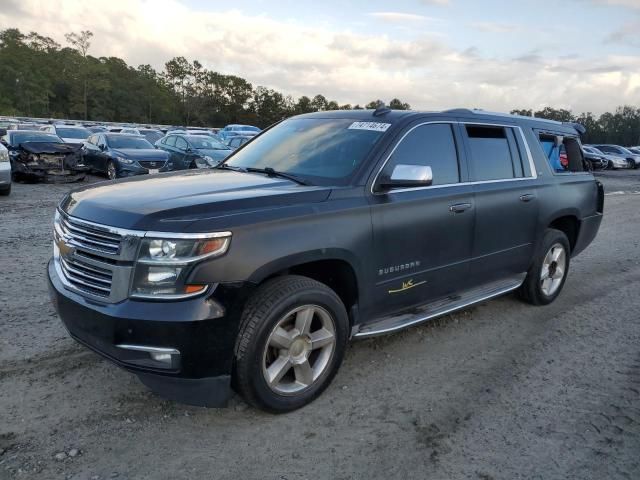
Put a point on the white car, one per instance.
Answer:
(68, 133)
(5, 171)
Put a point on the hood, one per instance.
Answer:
(141, 153)
(195, 200)
(73, 140)
(49, 147)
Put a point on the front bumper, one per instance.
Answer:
(131, 170)
(202, 329)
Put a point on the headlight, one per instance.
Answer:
(126, 161)
(165, 263)
(4, 156)
(205, 162)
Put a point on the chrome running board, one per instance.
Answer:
(437, 308)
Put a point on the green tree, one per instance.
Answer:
(81, 42)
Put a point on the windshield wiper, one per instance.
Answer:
(229, 167)
(274, 173)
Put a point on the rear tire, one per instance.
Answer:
(292, 339)
(548, 272)
(6, 191)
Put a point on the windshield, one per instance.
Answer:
(80, 133)
(137, 143)
(18, 138)
(206, 143)
(325, 149)
(152, 137)
(247, 128)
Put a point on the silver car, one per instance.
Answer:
(5, 171)
(632, 159)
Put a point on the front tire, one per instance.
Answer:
(548, 272)
(112, 173)
(292, 339)
(6, 191)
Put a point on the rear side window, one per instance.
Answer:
(563, 153)
(494, 153)
(430, 145)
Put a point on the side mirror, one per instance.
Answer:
(407, 176)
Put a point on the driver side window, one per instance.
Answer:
(431, 145)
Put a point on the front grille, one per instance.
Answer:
(151, 164)
(85, 277)
(94, 260)
(84, 235)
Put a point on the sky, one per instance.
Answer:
(583, 55)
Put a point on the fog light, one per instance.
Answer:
(161, 357)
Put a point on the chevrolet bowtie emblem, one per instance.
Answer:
(65, 250)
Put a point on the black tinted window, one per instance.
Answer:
(491, 156)
(431, 145)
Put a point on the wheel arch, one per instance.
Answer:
(569, 224)
(336, 268)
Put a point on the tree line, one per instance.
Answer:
(41, 78)
(620, 128)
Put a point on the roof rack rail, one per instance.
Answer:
(460, 111)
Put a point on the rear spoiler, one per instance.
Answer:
(578, 127)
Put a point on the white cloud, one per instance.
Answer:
(628, 34)
(496, 27)
(302, 59)
(399, 17)
(620, 3)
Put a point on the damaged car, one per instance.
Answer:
(40, 156)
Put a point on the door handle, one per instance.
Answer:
(527, 197)
(459, 207)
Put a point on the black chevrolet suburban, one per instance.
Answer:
(325, 227)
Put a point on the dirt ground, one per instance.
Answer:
(503, 390)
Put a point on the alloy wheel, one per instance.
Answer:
(111, 171)
(299, 349)
(553, 269)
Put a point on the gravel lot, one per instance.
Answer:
(500, 391)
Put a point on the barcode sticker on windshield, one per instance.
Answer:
(375, 126)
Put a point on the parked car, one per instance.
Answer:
(120, 155)
(68, 133)
(193, 151)
(231, 130)
(96, 129)
(151, 134)
(130, 131)
(326, 227)
(632, 160)
(24, 126)
(614, 162)
(634, 150)
(5, 171)
(237, 141)
(596, 159)
(42, 156)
